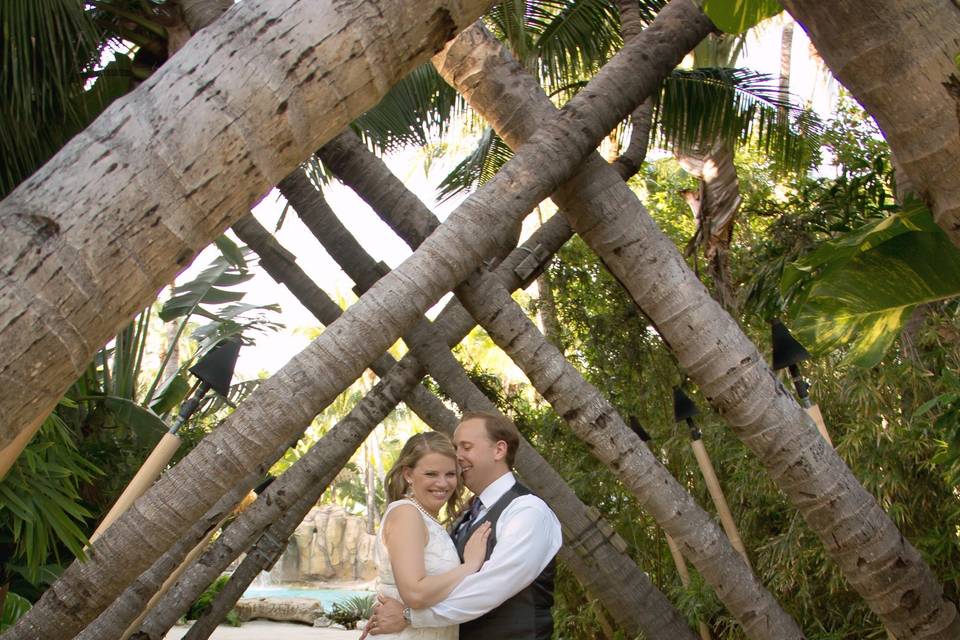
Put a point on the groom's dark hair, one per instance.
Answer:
(499, 427)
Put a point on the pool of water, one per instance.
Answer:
(326, 596)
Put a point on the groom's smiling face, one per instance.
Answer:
(481, 459)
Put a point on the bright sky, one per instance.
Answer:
(272, 351)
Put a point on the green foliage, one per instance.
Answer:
(415, 111)
(740, 106)
(737, 16)
(14, 606)
(866, 284)
(477, 168)
(41, 79)
(563, 39)
(351, 610)
(41, 514)
(205, 601)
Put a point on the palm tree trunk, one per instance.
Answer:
(581, 405)
(485, 224)
(74, 274)
(546, 305)
(263, 555)
(786, 55)
(629, 162)
(198, 14)
(600, 562)
(119, 615)
(908, 44)
(880, 564)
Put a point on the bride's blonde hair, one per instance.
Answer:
(397, 487)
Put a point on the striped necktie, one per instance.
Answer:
(464, 527)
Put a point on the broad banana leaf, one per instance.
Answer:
(870, 281)
(206, 288)
(737, 16)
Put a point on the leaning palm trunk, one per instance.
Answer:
(605, 570)
(897, 57)
(590, 415)
(602, 567)
(131, 604)
(485, 224)
(87, 241)
(264, 553)
(877, 560)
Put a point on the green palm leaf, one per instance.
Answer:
(737, 16)
(576, 38)
(14, 606)
(415, 111)
(737, 105)
(47, 47)
(866, 289)
(477, 168)
(209, 288)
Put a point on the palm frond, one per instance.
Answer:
(478, 167)
(318, 174)
(47, 47)
(576, 40)
(416, 110)
(508, 21)
(738, 105)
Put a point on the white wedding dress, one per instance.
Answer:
(439, 555)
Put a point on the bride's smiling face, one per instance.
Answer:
(433, 479)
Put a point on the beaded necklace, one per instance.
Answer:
(423, 510)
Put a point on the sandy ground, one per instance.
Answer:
(264, 630)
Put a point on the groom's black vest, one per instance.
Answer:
(525, 616)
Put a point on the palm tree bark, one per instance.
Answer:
(908, 44)
(629, 162)
(581, 405)
(119, 615)
(263, 555)
(485, 224)
(89, 239)
(877, 560)
(603, 567)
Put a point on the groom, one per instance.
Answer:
(511, 595)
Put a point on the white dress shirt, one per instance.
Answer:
(528, 537)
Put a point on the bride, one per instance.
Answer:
(417, 558)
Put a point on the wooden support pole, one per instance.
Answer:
(814, 412)
(681, 565)
(152, 467)
(719, 500)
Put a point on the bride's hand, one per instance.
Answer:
(475, 551)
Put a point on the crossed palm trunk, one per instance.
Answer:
(592, 551)
(366, 330)
(588, 414)
(606, 569)
(276, 415)
(878, 561)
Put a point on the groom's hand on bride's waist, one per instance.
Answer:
(387, 617)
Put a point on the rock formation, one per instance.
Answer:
(330, 545)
